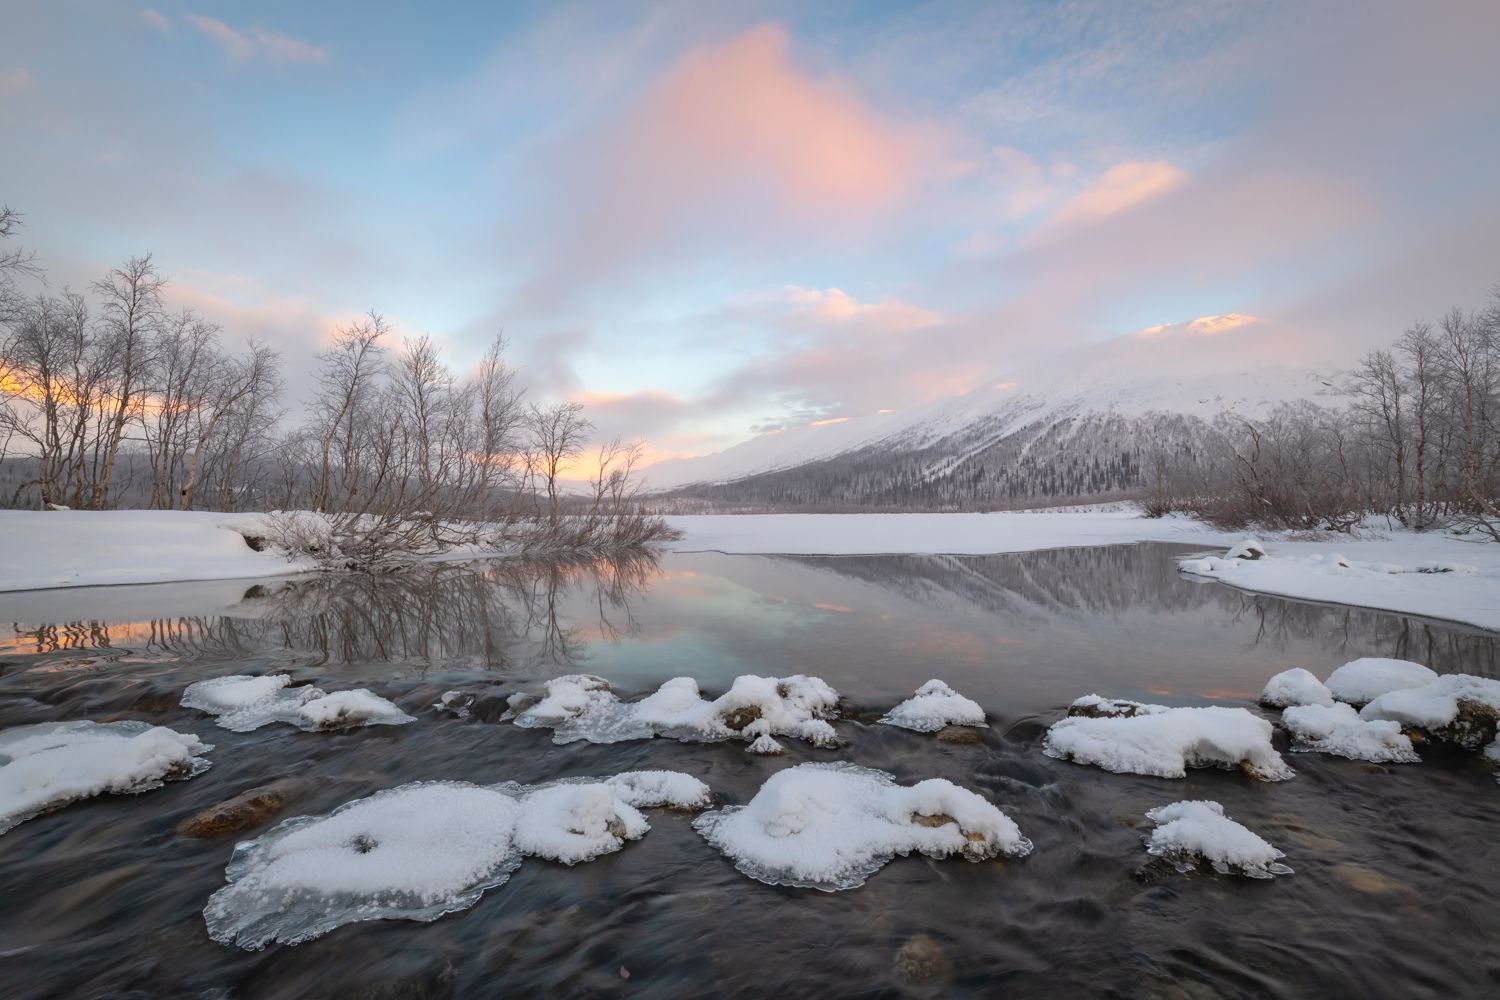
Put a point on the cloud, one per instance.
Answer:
(1203, 326)
(836, 306)
(14, 82)
(1121, 187)
(154, 19)
(243, 44)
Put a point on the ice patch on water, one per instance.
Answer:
(425, 849)
(52, 764)
(1190, 832)
(1296, 686)
(582, 707)
(243, 703)
(1337, 729)
(934, 706)
(830, 826)
(1364, 680)
(1166, 741)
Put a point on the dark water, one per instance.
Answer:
(1396, 891)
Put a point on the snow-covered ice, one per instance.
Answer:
(1297, 686)
(419, 851)
(934, 706)
(830, 826)
(1338, 729)
(1367, 678)
(48, 765)
(1190, 832)
(582, 707)
(243, 702)
(1166, 742)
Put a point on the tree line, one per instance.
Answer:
(110, 398)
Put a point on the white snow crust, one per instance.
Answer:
(241, 703)
(1190, 831)
(52, 764)
(934, 706)
(419, 851)
(830, 826)
(1363, 680)
(1296, 686)
(1435, 705)
(1098, 705)
(1165, 743)
(1338, 729)
(582, 707)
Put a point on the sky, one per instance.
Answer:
(707, 221)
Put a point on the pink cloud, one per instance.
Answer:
(14, 82)
(245, 44)
(837, 306)
(154, 19)
(1203, 326)
(1121, 187)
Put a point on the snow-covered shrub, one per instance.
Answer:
(1367, 678)
(830, 826)
(582, 707)
(45, 766)
(242, 702)
(1338, 729)
(419, 851)
(1189, 833)
(1165, 743)
(934, 706)
(1296, 686)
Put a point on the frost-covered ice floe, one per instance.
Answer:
(830, 826)
(1363, 680)
(49, 765)
(1190, 832)
(242, 702)
(582, 707)
(934, 706)
(425, 849)
(1296, 686)
(1338, 729)
(1164, 742)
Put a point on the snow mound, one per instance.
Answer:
(582, 707)
(934, 706)
(243, 703)
(766, 746)
(1337, 729)
(1165, 743)
(1249, 548)
(1295, 687)
(1455, 708)
(831, 826)
(1190, 832)
(1363, 680)
(1093, 706)
(45, 766)
(422, 850)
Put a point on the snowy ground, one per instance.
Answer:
(1382, 569)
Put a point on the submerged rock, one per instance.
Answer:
(921, 961)
(960, 736)
(249, 808)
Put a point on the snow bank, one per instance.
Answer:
(1337, 729)
(1167, 741)
(582, 707)
(1396, 573)
(1366, 679)
(934, 706)
(422, 850)
(1454, 708)
(1295, 687)
(242, 702)
(1190, 832)
(77, 548)
(49, 765)
(830, 826)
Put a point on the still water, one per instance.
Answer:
(1397, 884)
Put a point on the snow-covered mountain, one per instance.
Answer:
(1047, 434)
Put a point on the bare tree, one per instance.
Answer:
(130, 311)
(556, 434)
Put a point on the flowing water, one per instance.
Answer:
(1397, 884)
